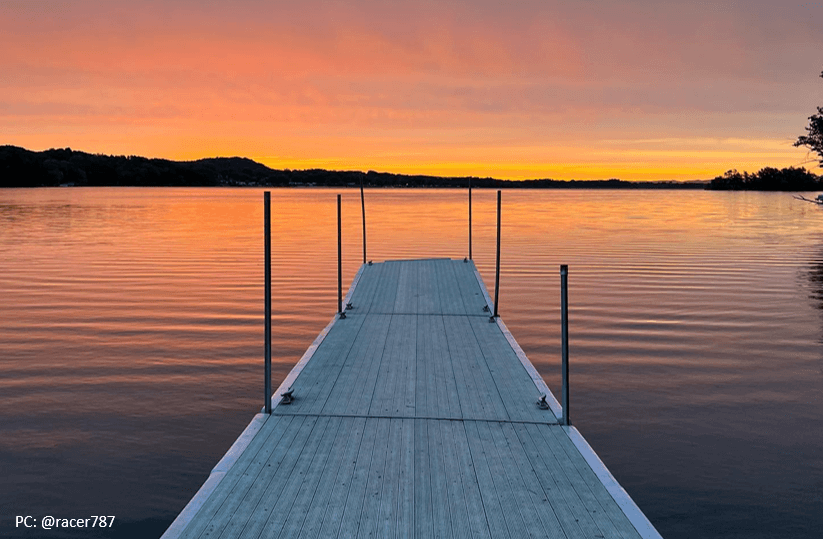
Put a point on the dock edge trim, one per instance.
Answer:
(236, 450)
(557, 410)
(636, 516)
(621, 497)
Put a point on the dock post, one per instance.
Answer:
(267, 265)
(497, 267)
(470, 219)
(339, 261)
(564, 325)
(363, 207)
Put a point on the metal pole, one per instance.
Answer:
(363, 207)
(339, 259)
(497, 272)
(267, 242)
(470, 219)
(564, 325)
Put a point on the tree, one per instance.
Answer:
(814, 139)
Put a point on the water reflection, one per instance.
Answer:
(131, 336)
(814, 278)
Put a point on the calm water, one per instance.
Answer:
(131, 337)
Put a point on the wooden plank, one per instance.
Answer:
(436, 393)
(314, 383)
(441, 514)
(281, 461)
(365, 385)
(454, 483)
(395, 375)
(511, 512)
(386, 378)
(428, 293)
(449, 290)
(407, 288)
(280, 487)
(539, 498)
(400, 357)
(305, 473)
(519, 393)
(471, 489)
(354, 387)
(640, 523)
(371, 298)
(556, 443)
(387, 517)
(323, 459)
(228, 487)
(519, 390)
(363, 296)
(369, 514)
(606, 501)
(249, 487)
(425, 400)
(218, 473)
(386, 290)
(519, 491)
(408, 356)
(491, 499)
(345, 448)
(471, 292)
(465, 385)
(566, 514)
(551, 466)
(422, 482)
(485, 401)
(522, 358)
(342, 517)
(405, 504)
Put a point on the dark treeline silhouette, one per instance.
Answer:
(813, 140)
(65, 167)
(768, 178)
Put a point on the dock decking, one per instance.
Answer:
(414, 417)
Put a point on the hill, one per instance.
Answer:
(66, 167)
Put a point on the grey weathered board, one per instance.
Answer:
(414, 417)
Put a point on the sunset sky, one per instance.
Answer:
(640, 90)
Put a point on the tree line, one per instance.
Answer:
(791, 178)
(66, 167)
(769, 178)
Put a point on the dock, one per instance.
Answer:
(414, 416)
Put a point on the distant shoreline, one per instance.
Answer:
(21, 168)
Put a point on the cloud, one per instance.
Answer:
(373, 78)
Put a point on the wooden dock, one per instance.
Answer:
(413, 417)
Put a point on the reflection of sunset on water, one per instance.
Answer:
(131, 331)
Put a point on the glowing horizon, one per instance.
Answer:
(634, 90)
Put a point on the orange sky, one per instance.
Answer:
(573, 89)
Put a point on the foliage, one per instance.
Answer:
(813, 140)
(768, 178)
(20, 168)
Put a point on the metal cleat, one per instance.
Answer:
(287, 396)
(542, 404)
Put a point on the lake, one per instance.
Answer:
(131, 337)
